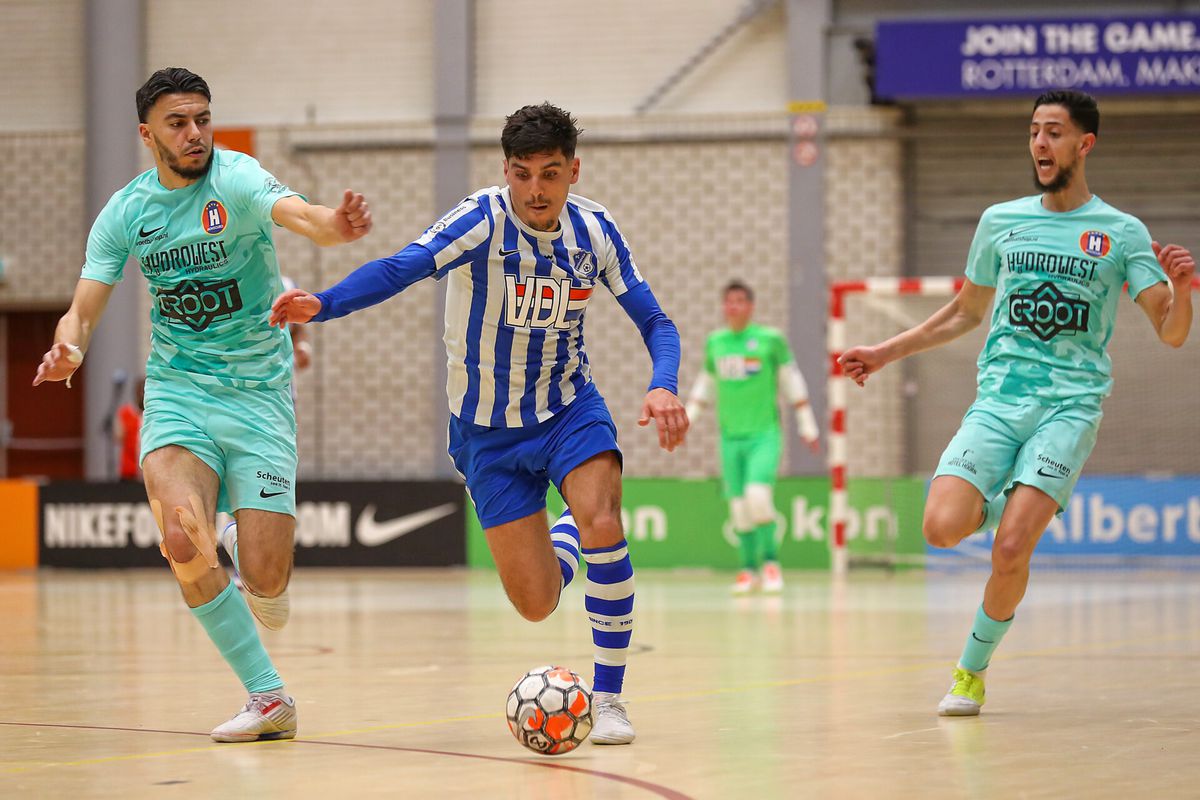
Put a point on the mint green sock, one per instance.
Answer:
(992, 511)
(748, 546)
(766, 541)
(986, 634)
(226, 618)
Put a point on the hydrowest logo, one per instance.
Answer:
(1047, 312)
(370, 532)
(198, 304)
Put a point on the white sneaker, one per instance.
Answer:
(265, 716)
(772, 577)
(272, 612)
(610, 720)
(743, 583)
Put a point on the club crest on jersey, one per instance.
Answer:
(214, 217)
(1095, 243)
(583, 263)
(541, 302)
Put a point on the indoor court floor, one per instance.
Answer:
(829, 691)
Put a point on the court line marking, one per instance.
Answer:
(829, 677)
(653, 788)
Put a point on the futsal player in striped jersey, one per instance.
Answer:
(522, 263)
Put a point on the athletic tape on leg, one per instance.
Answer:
(193, 570)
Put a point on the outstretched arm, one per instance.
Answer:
(74, 332)
(962, 314)
(368, 285)
(324, 226)
(662, 340)
(1170, 309)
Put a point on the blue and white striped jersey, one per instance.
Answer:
(515, 304)
(515, 308)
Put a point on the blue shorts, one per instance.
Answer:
(508, 470)
(1001, 444)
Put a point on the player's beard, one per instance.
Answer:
(187, 173)
(1061, 181)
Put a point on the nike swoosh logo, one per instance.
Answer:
(1048, 474)
(143, 233)
(372, 533)
(264, 494)
(504, 252)
(1017, 231)
(981, 641)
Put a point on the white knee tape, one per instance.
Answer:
(739, 515)
(760, 503)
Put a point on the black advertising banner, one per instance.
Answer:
(338, 524)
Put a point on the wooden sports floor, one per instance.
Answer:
(109, 689)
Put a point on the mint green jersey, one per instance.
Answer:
(208, 255)
(746, 367)
(1058, 278)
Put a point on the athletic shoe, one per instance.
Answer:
(265, 716)
(966, 695)
(272, 612)
(744, 582)
(610, 720)
(772, 577)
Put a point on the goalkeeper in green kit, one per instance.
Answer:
(745, 365)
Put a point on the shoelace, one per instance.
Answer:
(964, 682)
(612, 708)
(258, 702)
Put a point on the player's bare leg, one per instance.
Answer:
(260, 544)
(1026, 516)
(182, 490)
(593, 492)
(953, 511)
(527, 565)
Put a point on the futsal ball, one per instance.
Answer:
(550, 710)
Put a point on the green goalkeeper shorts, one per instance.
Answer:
(749, 459)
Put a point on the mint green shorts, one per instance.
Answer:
(246, 436)
(749, 459)
(1001, 444)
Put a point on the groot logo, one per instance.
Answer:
(1048, 312)
(198, 304)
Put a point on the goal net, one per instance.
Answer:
(1137, 501)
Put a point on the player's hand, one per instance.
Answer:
(352, 218)
(301, 356)
(1178, 263)
(294, 306)
(813, 444)
(668, 414)
(860, 362)
(58, 364)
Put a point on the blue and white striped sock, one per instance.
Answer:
(565, 538)
(609, 603)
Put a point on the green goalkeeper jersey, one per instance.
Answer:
(745, 365)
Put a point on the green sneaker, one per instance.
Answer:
(965, 696)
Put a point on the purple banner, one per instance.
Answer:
(986, 58)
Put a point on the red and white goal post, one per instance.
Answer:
(838, 386)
